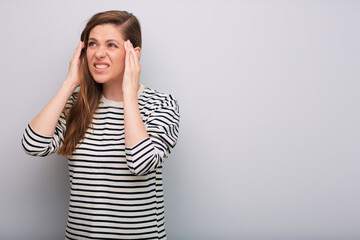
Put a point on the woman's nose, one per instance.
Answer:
(100, 52)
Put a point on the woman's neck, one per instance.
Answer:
(113, 91)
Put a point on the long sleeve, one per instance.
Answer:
(36, 144)
(39, 145)
(162, 126)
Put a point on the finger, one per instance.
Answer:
(77, 52)
(127, 57)
(126, 45)
(137, 54)
(137, 65)
(134, 57)
(79, 48)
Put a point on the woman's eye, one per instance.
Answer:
(112, 45)
(91, 44)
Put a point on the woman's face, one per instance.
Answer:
(106, 54)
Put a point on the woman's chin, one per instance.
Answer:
(108, 81)
(101, 80)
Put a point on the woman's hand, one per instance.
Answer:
(45, 122)
(73, 73)
(132, 70)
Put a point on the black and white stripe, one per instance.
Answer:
(116, 192)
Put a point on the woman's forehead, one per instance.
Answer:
(105, 32)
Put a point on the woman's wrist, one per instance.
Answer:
(70, 85)
(131, 93)
(130, 97)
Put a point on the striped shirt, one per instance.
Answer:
(116, 192)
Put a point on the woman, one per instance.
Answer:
(115, 132)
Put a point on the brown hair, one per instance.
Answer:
(78, 119)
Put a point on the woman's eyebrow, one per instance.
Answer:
(109, 40)
(112, 40)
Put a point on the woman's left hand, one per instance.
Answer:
(132, 70)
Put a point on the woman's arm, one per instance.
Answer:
(134, 127)
(45, 122)
(162, 127)
(146, 146)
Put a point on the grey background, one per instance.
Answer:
(269, 101)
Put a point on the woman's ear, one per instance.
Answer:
(138, 51)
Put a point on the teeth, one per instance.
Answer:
(101, 66)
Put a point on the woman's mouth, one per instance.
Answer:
(101, 66)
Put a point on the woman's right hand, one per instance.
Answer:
(45, 122)
(73, 73)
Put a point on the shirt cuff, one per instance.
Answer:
(138, 155)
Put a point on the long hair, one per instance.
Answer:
(79, 116)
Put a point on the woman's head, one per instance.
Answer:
(127, 23)
(116, 24)
(104, 37)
